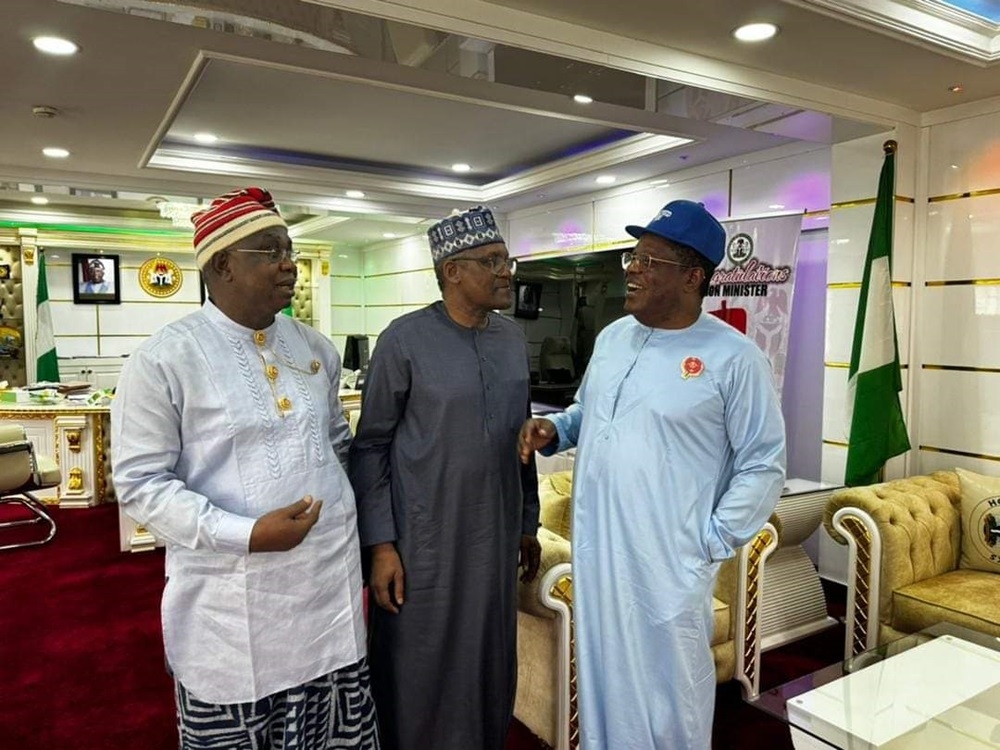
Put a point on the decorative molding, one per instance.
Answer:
(865, 557)
(74, 483)
(960, 368)
(933, 24)
(952, 452)
(959, 196)
(964, 282)
(750, 592)
(73, 440)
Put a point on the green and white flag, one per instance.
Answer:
(877, 431)
(47, 368)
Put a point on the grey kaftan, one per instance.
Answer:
(435, 469)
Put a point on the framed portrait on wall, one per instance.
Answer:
(96, 279)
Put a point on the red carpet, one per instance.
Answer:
(81, 657)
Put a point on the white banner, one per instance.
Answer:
(752, 287)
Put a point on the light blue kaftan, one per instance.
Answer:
(672, 474)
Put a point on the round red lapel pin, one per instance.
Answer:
(692, 367)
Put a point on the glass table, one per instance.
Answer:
(937, 688)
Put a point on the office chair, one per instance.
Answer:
(21, 473)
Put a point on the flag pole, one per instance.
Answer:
(877, 429)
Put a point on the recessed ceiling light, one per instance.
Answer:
(583, 99)
(956, 88)
(355, 194)
(389, 235)
(659, 182)
(53, 45)
(755, 32)
(206, 137)
(39, 200)
(461, 167)
(605, 179)
(53, 152)
(776, 206)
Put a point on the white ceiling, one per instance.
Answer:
(348, 101)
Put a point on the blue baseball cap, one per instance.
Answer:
(690, 224)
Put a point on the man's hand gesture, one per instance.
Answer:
(285, 528)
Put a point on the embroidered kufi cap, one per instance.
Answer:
(95, 263)
(231, 218)
(463, 230)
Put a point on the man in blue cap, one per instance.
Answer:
(680, 461)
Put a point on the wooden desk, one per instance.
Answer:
(77, 437)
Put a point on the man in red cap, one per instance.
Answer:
(228, 439)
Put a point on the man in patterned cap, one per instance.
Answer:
(444, 505)
(228, 439)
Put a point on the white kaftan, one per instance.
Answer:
(200, 451)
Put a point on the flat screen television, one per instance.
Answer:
(527, 299)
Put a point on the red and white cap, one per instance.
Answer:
(231, 218)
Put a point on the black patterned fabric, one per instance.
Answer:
(333, 711)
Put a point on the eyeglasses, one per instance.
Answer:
(272, 254)
(644, 261)
(495, 263)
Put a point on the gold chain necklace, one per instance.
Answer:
(271, 371)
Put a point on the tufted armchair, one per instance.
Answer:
(546, 682)
(904, 540)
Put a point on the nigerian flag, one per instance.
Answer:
(877, 430)
(47, 368)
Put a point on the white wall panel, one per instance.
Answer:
(346, 291)
(346, 262)
(408, 254)
(347, 320)
(377, 318)
(841, 311)
(418, 288)
(850, 229)
(931, 461)
(960, 411)
(974, 312)
(562, 230)
(835, 404)
(614, 213)
(382, 290)
(138, 319)
(834, 463)
(962, 238)
(963, 156)
(794, 183)
(68, 318)
(73, 346)
(58, 276)
(855, 168)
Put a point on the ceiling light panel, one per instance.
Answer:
(755, 32)
(53, 45)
